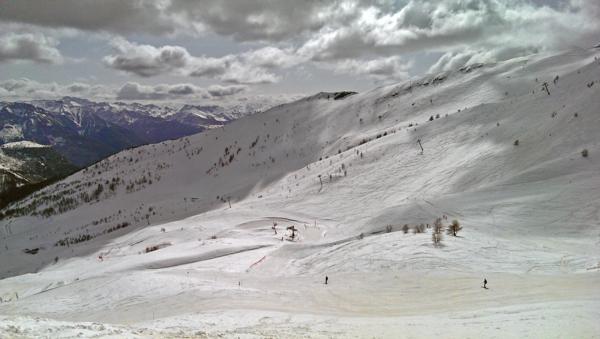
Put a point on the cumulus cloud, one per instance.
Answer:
(220, 91)
(182, 89)
(239, 73)
(30, 47)
(147, 60)
(261, 19)
(272, 57)
(25, 88)
(453, 25)
(252, 67)
(390, 68)
(78, 87)
(136, 91)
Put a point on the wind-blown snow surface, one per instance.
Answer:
(530, 214)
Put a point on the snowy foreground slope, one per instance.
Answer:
(145, 243)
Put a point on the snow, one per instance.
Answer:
(530, 216)
(23, 144)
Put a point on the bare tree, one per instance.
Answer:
(437, 224)
(454, 227)
(419, 228)
(436, 235)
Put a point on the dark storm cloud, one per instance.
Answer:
(118, 16)
(244, 20)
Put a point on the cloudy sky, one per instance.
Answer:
(210, 50)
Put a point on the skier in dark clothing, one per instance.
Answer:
(484, 283)
(326, 279)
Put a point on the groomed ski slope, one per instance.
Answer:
(530, 214)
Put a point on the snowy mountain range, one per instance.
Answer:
(231, 232)
(81, 136)
(85, 131)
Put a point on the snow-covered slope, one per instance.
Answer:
(180, 234)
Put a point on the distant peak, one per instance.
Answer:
(80, 101)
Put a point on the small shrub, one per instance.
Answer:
(31, 251)
(436, 235)
(419, 228)
(157, 247)
(436, 238)
(584, 153)
(516, 143)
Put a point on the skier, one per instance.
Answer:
(326, 279)
(484, 283)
